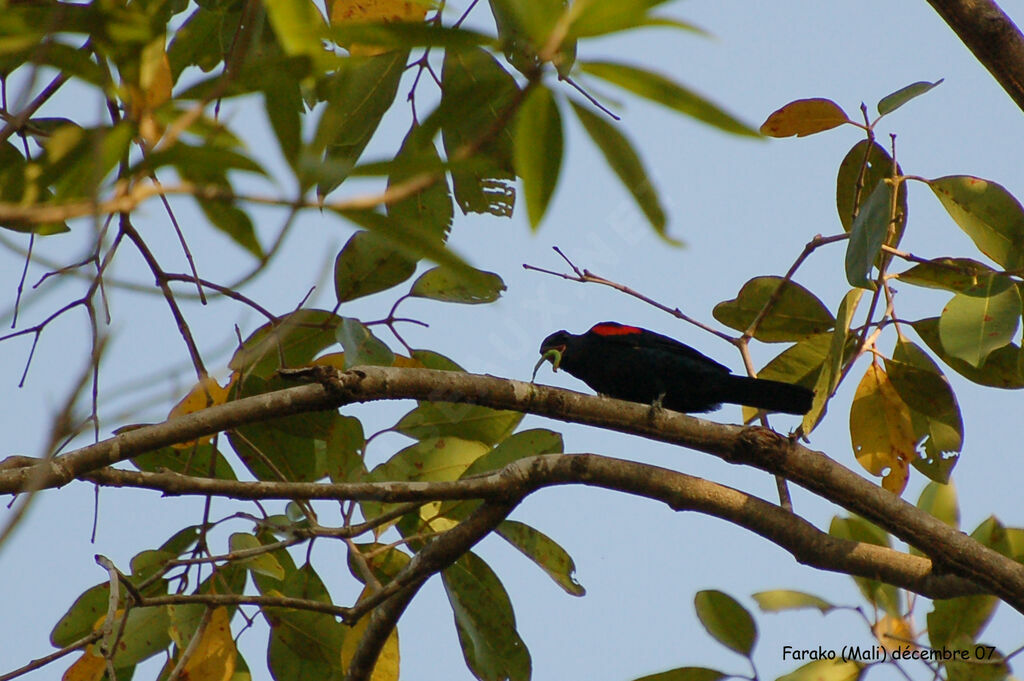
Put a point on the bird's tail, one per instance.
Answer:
(765, 394)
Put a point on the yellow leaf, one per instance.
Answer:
(387, 665)
(205, 393)
(373, 11)
(804, 117)
(881, 430)
(89, 667)
(894, 632)
(214, 656)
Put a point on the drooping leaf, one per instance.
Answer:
(303, 644)
(358, 94)
(893, 101)
(726, 620)
(13, 185)
(626, 164)
(476, 93)
(663, 90)
(538, 151)
(796, 314)
(1000, 369)
(485, 621)
(934, 412)
(543, 551)
(980, 320)
(881, 430)
(429, 211)
(387, 665)
(863, 167)
(867, 234)
(804, 117)
(799, 363)
(839, 350)
(366, 265)
(989, 214)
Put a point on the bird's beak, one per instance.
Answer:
(553, 355)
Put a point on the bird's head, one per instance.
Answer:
(552, 348)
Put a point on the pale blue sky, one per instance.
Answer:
(743, 207)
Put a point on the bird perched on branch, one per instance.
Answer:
(630, 363)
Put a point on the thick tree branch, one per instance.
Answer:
(993, 38)
(808, 545)
(758, 447)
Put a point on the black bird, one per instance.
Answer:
(638, 365)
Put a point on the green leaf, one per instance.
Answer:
(686, 674)
(196, 42)
(291, 341)
(466, 421)
(298, 26)
(543, 551)
(533, 442)
(408, 238)
(525, 28)
(1000, 369)
(893, 101)
(368, 264)
(538, 150)
(405, 34)
(840, 347)
(476, 93)
(361, 346)
(144, 634)
(950, 274)
(881, 595)
(940, 501)
(594, 17)
(430, 460)
(13, 184)
(626, 163)
(193, 460)
(358, 94)
(343, 450)
(863, 167)
(264, 563)
(868, 233)
(778, 600)
(282, 100)
(485, 622)
(981, 320)
(826, 670)
(726, 620)
(663, 90)
(304, 644)
(384, 562)
(428, 212)
(804, 117)
(989, 214)
(934, 411)
(797, 313)
(471, 288)
(799, 363)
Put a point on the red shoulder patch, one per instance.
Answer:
(614, 329)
